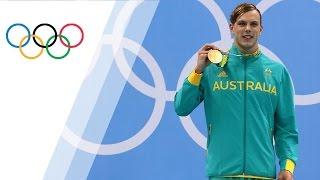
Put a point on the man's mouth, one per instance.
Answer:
(247, 37)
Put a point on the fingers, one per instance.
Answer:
(285, 175)
(207, 47)
(203, 52)
(203, 60)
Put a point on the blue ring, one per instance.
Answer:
(13, 25)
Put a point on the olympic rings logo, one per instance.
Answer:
(40, 43)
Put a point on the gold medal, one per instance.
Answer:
(215, 56)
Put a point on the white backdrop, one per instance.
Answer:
(36, 96)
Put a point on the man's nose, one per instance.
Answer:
(248, 28)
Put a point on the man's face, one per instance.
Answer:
(247, 30)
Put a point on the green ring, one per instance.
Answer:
(57, 57)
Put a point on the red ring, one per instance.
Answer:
(71, 46)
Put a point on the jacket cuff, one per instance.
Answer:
(194, 78)
(288, 165)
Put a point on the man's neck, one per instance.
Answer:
(252, 50)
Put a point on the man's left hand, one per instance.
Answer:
(285, 175)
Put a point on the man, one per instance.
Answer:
(248, 102)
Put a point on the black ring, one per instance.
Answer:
(44, 24)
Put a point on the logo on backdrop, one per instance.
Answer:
(40, 42)
(159, 90)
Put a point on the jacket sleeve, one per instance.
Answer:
(286, 133)
(189, 96)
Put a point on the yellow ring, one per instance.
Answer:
(30, 57)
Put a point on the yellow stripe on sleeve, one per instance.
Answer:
(194, 78)
(290, 165)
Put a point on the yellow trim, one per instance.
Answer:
(194, 78)
(248, 176)
(290, 165)
(257, 52)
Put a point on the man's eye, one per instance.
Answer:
(241, 23)
(254, 24)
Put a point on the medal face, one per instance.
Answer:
(215, 56)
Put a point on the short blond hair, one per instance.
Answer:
(241, 9)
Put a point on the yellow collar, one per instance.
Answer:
(257, 52)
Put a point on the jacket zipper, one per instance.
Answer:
(271, 134)
(209, 139)
(245, 116)
(209, 134)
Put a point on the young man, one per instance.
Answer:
(248, 102)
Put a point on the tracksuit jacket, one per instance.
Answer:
(250, 116)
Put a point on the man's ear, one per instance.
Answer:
(261, 29)
(231, 27)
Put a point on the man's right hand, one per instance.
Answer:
(203, 60)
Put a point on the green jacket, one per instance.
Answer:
(248, 103)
